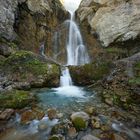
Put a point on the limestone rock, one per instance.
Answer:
(114, 21)
(7, 18)
(36, 22)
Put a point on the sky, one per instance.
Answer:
(71, 5)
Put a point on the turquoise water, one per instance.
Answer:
(65, 99)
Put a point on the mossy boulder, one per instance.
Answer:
(79, 123)
(25, 66)
(16, 99)
(89, 73)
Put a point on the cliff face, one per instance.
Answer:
(7, 18)
(30, 22)
(37, 21)
(113, 23)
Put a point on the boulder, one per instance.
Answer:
(29, 115)
(24, 70)
(89, 73)
(80, 120)
(82, 115)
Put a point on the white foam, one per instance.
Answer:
(70, 91)
(72, 5)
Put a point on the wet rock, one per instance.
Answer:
(80, 120)
(95, 121)
(90, 110)
(72, 132)
(30, 115)
(59, 128)
(117, 137)
(42, 126)
(82, 115)
(52, 114)
(60, 115)
(6, 114)
(89, 137)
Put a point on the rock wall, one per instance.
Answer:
(37, 22)
(111, 22)
(30, 22)
(7, 18)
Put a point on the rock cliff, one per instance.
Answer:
(112, 22)
(30, 22)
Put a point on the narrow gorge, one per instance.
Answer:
(69, 69)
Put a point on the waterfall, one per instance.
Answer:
(65, 79)
(76, 51)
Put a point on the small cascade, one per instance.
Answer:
(65, 79)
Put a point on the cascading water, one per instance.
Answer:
(76, 50)
(65, 79)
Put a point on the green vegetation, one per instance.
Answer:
(134, 81)
(25, 62)
(15, 99)
(137, 65)
(12, 44)
(54, 138)
(116, 50)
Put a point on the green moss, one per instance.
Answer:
(15, 99)
(89, 73)
(97, 71)
(134, 81)
(25, 61)
(137, 65)
(116, 50)
(79, 123)
(54, 138)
